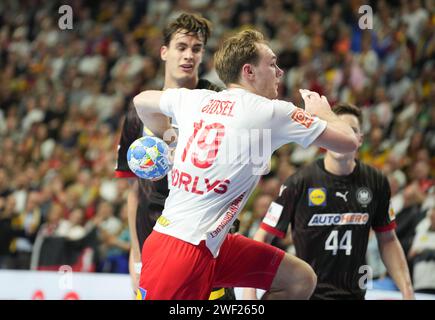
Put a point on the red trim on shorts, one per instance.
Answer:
(386, 228)
(124, 174)
(272, 230)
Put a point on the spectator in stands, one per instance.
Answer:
(72, 227)
(118, 246)
(29, 220)
(108, 225)
(422, 254)
(7, 231)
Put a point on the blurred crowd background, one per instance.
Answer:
(64, 93)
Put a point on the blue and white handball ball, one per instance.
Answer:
(148, 158)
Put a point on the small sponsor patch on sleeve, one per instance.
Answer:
(303, 117)
(273, 214)
(281, 190)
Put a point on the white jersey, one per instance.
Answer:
(225, 141)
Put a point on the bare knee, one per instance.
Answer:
(303, 287)
(295, 279)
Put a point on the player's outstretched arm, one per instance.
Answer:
(338, 135)
(147, 104)
(395, 262)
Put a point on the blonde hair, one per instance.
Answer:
(235, 52)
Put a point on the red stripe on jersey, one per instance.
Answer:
(272, 230)
(386, 228)
(124, 174)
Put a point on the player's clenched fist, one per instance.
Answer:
(314, 103)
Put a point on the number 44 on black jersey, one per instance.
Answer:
(330, 218)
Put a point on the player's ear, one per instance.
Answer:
(248, 71)
(163, 52)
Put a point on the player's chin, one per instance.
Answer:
(185, 76)
(342, 156)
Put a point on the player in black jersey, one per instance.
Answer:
(331, 206)
(182, 52)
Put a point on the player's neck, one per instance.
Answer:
(342, 167)
(241, 86)
(189, 83)
(235, 86)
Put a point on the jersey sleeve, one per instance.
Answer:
(384, 219)
(176, 103)
(281, 211)
(292, 124)
(131, 130)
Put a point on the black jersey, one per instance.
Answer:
(330, 218)
(152, 195)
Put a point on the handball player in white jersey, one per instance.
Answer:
(190, 250)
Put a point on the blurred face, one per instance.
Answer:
(182, 57)
(421, 170)
(32, 200)
(105, 210)
(266, 75)
(76, 216)
(56, 213)
(354, 124)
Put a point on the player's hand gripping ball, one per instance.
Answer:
(148, 158)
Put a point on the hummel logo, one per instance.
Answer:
(281, 190)
(341, 195)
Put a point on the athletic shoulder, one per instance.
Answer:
(259, 99)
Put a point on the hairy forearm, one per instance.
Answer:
(395, 262)
(147, 107)
(335, 122)
(158, 123)
(319, 106)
